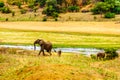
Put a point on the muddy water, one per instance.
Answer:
(86, 51)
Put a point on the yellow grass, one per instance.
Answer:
(28, 66)
(82, 27)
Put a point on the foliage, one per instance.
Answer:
(19, 4)
(73, 8)
(2, 4)
(23, 11)
(31, 5)
(51, 8)
(117, 10)
(93, 56)
(111, 53)
(13, 13)
(5, 9)
(41, 2)
(108, 7)
(109, 15)
(55, 15)
(100, 8)
(35, 9)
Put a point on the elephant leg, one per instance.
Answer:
(50, 53)
(39, 52)
(43, 53)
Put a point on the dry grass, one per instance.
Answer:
(81, 27)
(15, 66)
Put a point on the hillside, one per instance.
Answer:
(16, 10)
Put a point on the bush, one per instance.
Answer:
(93, 56)
(101, 7)
(5, 10)
(73, 8)
(13, 13)
(109, 15)
(117, 10)
(2, 4)
(31, 5)
(95, 11)
(56, 19)
(49, 10)
(35, 9)
(19, 5)
(41, 2)
(111, 53)
(55, 15)
(23, 11)
(44, 19)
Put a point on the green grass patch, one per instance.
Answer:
(59, 39)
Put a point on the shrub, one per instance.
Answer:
(95, 11)
(117, 10)
(35, 9)
(2, 4)
(109, 15)
(55, 15)
(56, 19)
(44, 19)
(23, 11)
(41, 2)
(63, 10)
(111, 53)
(19, 5)
(49, 10)
(93, 56)
(73, 8)
(13, 13)
(101, 7)
(6, 19)
(6, 10)
(31, 5)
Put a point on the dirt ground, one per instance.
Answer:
(83, 27)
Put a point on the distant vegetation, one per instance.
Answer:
(107, 7)
(53, 8)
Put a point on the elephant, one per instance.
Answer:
(44, 46)
(100, 55)
(59, 53)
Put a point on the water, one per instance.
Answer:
(86, 51)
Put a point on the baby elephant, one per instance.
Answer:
(100, 55)
(59, 53)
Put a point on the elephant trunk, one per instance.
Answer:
(34, 46)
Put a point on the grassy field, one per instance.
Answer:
(62, 34)
(17, 64)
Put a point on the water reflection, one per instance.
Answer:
(86, 51)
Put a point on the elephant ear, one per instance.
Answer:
(41, 42)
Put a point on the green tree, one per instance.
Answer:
(101, 7)
(51, 8)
